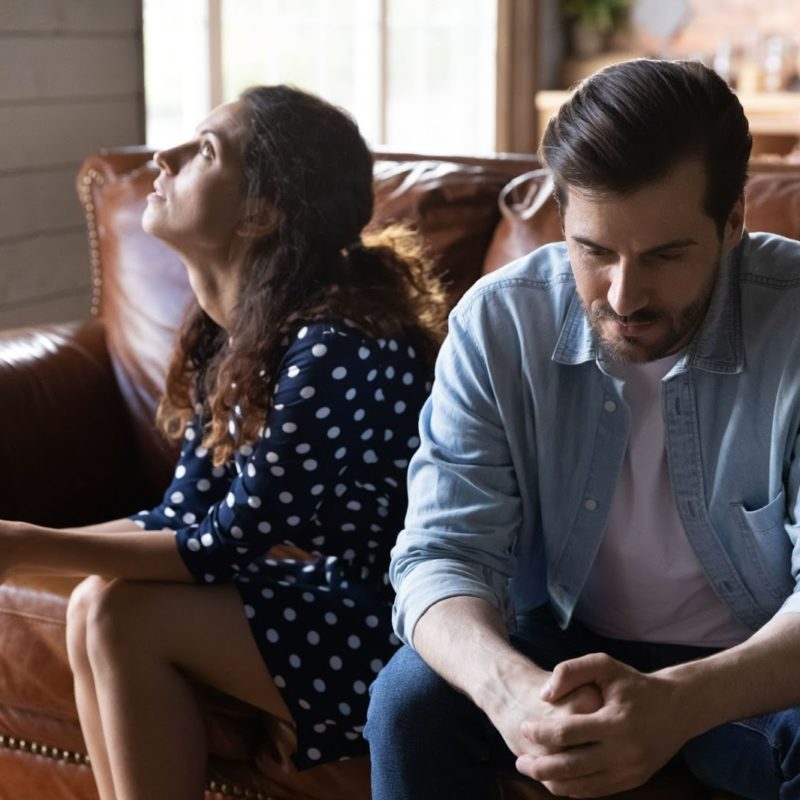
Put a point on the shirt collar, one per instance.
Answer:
(716, 347)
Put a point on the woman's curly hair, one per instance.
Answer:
(307, 185)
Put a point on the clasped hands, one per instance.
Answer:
(603, 728)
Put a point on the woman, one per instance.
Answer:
(295, 386)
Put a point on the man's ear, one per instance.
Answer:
(734, 225)
(259, 218)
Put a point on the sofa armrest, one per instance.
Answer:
(65, 440)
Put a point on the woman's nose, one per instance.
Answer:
(168, 160)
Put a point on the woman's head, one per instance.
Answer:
(305, 196)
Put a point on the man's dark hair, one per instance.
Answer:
(630, 123)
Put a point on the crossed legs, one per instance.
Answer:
(134, 649)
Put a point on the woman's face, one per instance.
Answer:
(196, 203)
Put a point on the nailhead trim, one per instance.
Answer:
(81, 759)
(90, 179)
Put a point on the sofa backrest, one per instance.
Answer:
(140, 287)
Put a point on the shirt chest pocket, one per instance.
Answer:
(766, 546)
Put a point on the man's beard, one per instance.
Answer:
(680, 328)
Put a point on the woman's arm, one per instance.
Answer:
(130, 553)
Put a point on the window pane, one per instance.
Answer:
(441, 93)
(329, 47)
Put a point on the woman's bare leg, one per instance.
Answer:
(85, 693)
(143, 640)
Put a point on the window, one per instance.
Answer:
(416, 74)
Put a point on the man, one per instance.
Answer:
(598, 568)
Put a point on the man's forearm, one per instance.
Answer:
(464, 639)
(755, 677)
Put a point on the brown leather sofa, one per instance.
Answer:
(78, 444)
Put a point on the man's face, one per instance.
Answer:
(645, 264)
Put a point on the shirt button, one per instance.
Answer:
(610, 405)
(590, 504)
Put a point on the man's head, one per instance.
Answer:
(649, 160)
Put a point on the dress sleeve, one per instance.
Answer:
(196, 485)
(287, 474)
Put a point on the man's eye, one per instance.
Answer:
(669, 256)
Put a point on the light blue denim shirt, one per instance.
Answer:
(523, 438)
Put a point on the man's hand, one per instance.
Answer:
(619, 746)
(518, 702)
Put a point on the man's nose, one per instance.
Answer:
(628, 291)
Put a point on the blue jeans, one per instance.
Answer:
(429, 741)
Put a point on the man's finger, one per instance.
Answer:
(595, 668)
(556, 733)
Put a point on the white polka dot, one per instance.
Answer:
(264, 527)
(372, 621)
(323, 412)
(347, 527)
(387, 435)
(209, 578)
(189, 518)
(176, 497)
(339, 489)
(279, 681)
(350, 394)
(272, 457)
(411, 352)
(249, 611)
(320, 727)
(203, 485)
(367, 435)
(246, 450)
(307, 392)
(230, 499)
(254, 502)
(303, 448)
(278, 472)
(207, 540)
(169, 512)
(293, 371)
(408, 379)
(401, 463)
(344, 709)
(193, 545)
(393, 640)
(289, 614)
(340, 453)
(393, 345)
(379, 395)
(268, 433)
(390, 372)
(312, 637)
(251, 470)
(319, 684)
(180, 471)
(346, 601)
(313, 754)
(294, 661)
(359, 415)
(370, 457)
(376, 665)
(285, 497)
(339, 373)
(353, 642)
(304, 704)
(309, 464)
(201, 452)
(293, 521)
(317, 489)
(331, 618)
(363, 352)
(413, 442)
(232, 428)
(288, 427)
(351, 736)
(354, 505)
(359, 687)
(336, 662)
(319, 350)
(267, 593)
(334, 432)
(139, 523)
(372, 374)
(399, 407)
(190, 434)
(236, 532)
(301, 334)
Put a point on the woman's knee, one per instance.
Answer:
(82, 599)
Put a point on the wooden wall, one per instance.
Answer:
(70, 83)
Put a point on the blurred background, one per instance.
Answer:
(435, 76)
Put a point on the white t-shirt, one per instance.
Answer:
(646, 583)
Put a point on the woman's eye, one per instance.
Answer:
(207, 151)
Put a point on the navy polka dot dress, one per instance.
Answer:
(327, 475)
